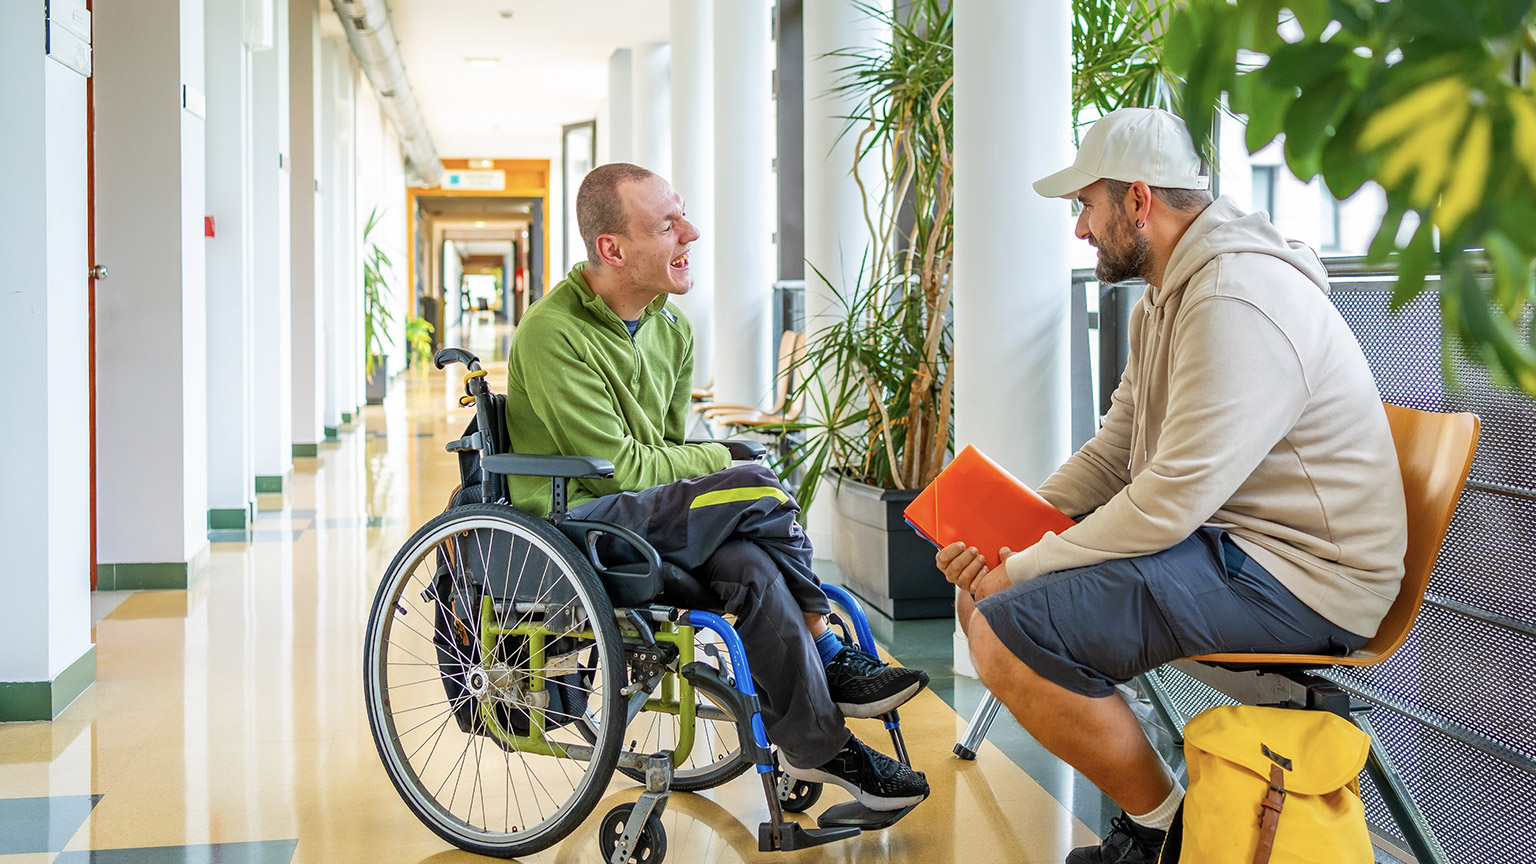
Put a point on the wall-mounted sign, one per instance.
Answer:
(69, 34)
(480, 181)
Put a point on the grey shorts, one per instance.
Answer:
(1090, 628)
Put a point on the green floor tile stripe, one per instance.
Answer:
(134, 577)
(267, 485)
(306, 451)
(22, 701)
(346, 417)
(330, 434)
(226, 518)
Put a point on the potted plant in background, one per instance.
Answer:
(876, 374)
(876, 371)
(376, 315)
(418, 342)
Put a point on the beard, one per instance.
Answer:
(1123, 253)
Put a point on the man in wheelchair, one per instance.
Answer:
(603, 366)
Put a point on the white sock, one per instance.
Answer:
(1161, 817)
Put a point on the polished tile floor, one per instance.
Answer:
(227, 724)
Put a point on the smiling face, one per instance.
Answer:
(655, 245)
(1124, 252)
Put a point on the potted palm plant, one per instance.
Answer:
(377, 317)
(876, 374)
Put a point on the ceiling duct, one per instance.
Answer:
(373, 42)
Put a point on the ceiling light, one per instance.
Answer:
(479, 224)
(482, 62)
(482, 163)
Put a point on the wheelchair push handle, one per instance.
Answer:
(455, 355)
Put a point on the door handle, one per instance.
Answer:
(99, 271)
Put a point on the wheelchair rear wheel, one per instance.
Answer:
(492, 668)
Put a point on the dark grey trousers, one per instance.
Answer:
(752, 561)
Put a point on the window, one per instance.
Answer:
(1264, 189)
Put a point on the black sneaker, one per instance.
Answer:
(874, 779)
(1127, 843)
(862, 686)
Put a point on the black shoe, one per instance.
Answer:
(1127, 843)
(862, 686)
(874, 779)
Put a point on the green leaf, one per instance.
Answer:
(1266, 117)
(1303, 63)
(1385, 241)
(1314, 15)
(1307, 122)
(1343, 169)
(1414, 265)
(1512, 275)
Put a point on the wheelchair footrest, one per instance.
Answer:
(852, 814)
(792, 836)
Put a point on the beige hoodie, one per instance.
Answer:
(1246, 405)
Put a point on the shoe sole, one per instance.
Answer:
(816, 775)
(884, 706)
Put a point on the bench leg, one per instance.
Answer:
(976, 732)
(1405, 811)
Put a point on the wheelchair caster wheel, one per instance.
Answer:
(649, 848)
(800, 796)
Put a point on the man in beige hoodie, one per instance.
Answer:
(1242, 494)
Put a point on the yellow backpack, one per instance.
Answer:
(1271, 786)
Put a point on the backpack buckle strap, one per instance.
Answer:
(1269, 814)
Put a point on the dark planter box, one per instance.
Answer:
(882, 558)
(378, 382)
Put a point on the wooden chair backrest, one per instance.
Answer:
(781, 381)
(1434, 454)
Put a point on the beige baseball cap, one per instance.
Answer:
(1146, 144)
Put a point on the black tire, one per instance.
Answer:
(651, 848)
(716, 757)
(801, 796)
(517, 802)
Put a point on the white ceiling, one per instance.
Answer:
(553, 68)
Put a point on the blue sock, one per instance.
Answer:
(827, 645)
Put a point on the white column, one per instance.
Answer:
(305, 265)
(743, 183)
(272, 336)
(152, 318)
(693, 165)
(836, 234)
(231, 466)
(46, 656)
(651, 104)
(620, 135)
(1012, 372)
(349, 285)
(327, 251)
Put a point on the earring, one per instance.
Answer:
(1141, 224)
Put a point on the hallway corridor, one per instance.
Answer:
(227, 724)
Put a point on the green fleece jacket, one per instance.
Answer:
(579, 385)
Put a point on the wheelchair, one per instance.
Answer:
(507, 662)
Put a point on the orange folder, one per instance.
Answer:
(976, 500)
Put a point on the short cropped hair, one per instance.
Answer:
(600, 208)
(1183, 200)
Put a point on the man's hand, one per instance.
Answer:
(965, 567)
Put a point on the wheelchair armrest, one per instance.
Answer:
(627, 584)
(741, 449)
(524, 465)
